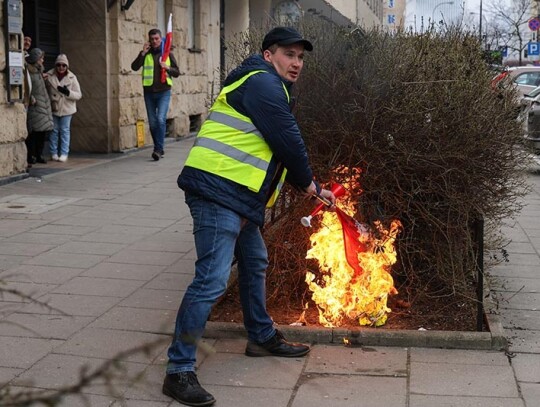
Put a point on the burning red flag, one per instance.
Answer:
(358, 284)
(166, 49)
(352, 232)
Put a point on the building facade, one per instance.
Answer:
(420, 14)
(102, 37)
(393, 14)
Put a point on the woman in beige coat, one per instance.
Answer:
(64, 91)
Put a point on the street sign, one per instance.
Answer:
(533, 48)
(534, 24)
(504, 51)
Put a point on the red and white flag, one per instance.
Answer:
(166, 48)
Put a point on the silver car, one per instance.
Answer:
(530, 115)
(525, 78)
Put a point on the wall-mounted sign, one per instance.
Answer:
(16, 59)
(15, 75)
(14, 16)
(13, 42)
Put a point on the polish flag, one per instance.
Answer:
(166, 49)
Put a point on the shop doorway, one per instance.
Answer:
(40, 21)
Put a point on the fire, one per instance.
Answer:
(343, 293)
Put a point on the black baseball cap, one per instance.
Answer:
(285, 36)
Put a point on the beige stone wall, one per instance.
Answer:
(12, 135)
(12, 122)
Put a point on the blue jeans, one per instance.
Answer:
(61, 128)
(157, 105)
(219, 234)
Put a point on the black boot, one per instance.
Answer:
(185, 388)
(277, 346)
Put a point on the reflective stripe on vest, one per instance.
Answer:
(230, 146)
(276, 192)
(234, 123)
(148, 70)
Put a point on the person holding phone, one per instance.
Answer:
(157, 94)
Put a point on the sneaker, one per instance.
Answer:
(185, 388)
(62, 158)
(155, 156)
(54, 157)
(276, 346)
(41, 160)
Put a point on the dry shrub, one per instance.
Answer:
(438, 149)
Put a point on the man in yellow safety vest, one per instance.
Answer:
(247, 147)
(157, 94)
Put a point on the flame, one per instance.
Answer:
(340, 292)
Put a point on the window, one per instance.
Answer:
(528, 78)
(194, 25)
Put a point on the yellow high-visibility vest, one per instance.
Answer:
(148, 70)
(230, 146)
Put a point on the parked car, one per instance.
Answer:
(530, 115)
(525, 78)
(528, 101)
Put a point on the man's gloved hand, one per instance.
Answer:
(63, 89)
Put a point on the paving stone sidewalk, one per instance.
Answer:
(107, 245)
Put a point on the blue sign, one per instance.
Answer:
(533, 48)
(391, 18)
(390, 3)
(504, 51)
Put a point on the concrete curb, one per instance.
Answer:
(494, 324)
(494, 339)
(371, 337)
(13, 178)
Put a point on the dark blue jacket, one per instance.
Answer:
(262, 99)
